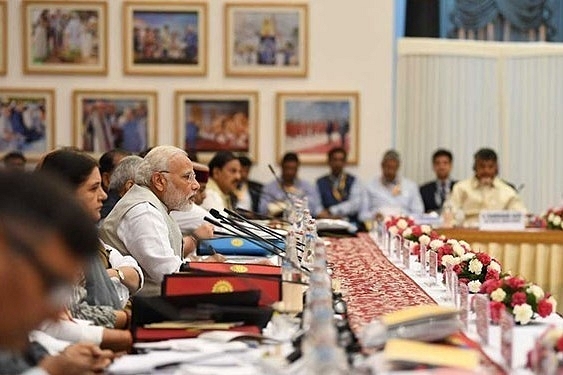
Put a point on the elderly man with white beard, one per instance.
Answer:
(140, 225)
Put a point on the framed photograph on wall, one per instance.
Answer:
(311, 123)
(266, 39)
(211, 121)
(64, 37)
(104, 120)
(165, 37)
(3, 37)
(27, 121)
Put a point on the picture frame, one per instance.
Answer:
(266, 39)
(211, 121)
(104, 120)
(3, 37)
(311, 123)
(65, 37)
(165, 38)
(27, 121)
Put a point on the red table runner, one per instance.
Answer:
(371, 284)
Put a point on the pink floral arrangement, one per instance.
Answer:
(521, 298)
(554, 218)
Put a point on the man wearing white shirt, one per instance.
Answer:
(390, 193)
(140, 224)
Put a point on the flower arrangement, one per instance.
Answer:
(554, 218)
(521, 298)
(547, 354)
(420, 235)
(397, 224)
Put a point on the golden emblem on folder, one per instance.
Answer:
(222, 286)
(239, 268)
(237, 242)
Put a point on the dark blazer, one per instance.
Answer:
(430, 196)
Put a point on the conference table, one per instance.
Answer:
(372, 285)
(535, 254)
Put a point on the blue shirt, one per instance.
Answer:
(402, 196)
(272, 193)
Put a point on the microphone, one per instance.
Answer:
(262, 228)
(274, 250)
(254, 238)
(280, 183)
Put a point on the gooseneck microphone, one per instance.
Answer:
(262, 228)
(273, 248)
(280, 183)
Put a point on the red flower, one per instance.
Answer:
(492, 274)
(457, 269)
(415, 250)
(416, 231)
(463, 280)
(484, 258)
(515, 282)
(496, 310)
(490, 285)
(545, 308)
(518, 298)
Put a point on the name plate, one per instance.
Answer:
(502, 220)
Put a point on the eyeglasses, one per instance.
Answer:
(190, 176)
(59, 289)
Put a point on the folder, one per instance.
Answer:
(230, 245)
(210, 278)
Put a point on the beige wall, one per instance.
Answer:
(350, 47)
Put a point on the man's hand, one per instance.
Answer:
(204, 231)
(81, 358)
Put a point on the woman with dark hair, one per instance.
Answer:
(110, 277)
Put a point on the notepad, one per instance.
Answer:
(414, 352)
(418, 313)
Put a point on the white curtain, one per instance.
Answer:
(464, 95)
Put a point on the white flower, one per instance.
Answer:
(450, 259)
(467, 256)
(550, 216)
(553, 302)
(402, 224)
(407, 232)
(465, 244)
(498, 295)
(557, 220)
(523, 313)
(451, 241)
(494, 266)
(393, 230)
(561, 225)
(458, 249)
(435, 244)
(536, 291)
(474, 286)
(475, 266)
(424, 240)
(425, 228)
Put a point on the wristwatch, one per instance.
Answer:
(120, 274)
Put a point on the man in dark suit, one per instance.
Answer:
(248, 191)
(434, 193)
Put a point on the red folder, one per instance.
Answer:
(151, 334)
(203, 277)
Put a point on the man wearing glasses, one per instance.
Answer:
(46, 238)
(140, 224)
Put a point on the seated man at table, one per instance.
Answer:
(484, 191)
(224, 176)
(140, 224)
(390, 193)
(340, 192)
(275, 195)
(434, 193)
